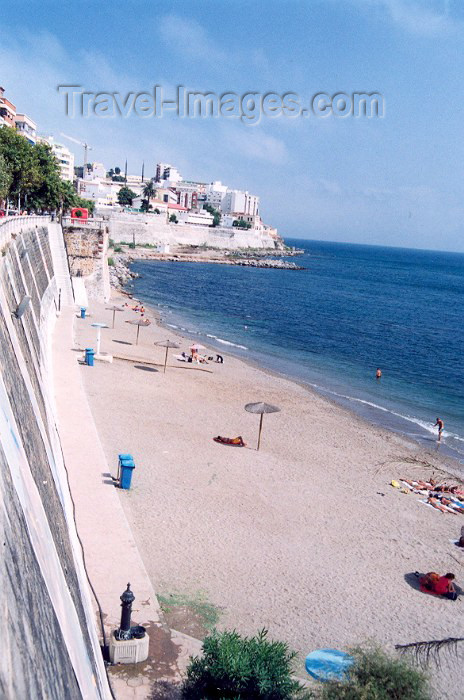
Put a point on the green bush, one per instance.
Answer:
(377, 676)
(110, 262)
(117, 249)
(242, 668)
(131, 245)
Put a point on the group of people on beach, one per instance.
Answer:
(447, 499)
(439, 423)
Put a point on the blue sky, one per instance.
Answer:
(391, 181)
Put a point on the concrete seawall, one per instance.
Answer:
(50, 647)
(153, 229)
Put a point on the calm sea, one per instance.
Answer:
(354, 308)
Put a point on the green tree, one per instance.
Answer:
(145, 206)
(242, 668)
(126, 197)
(149, 191)
(375, 675)
(173, 219)
(216, 214)
(117, 171)
(5, 178)
(21, 163)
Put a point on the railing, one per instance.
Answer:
(75, 222)
(9, 225)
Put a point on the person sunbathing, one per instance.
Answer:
(433, 500)
(438, 585)
(424, 485)
(452, 504)
(237, 442)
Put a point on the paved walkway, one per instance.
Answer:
(111, 556)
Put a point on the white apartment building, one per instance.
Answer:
(215, 193)
(199, 218)
(166, 171)
(64, 157)
(26, 127)
(237, 201)
(101, 191)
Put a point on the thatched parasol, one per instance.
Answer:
(114, 308)
(167, 344)
(261, 408)
(139, 322)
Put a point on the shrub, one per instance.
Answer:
(117, 249)
(377, 676)
(131, 245)
(110, 262)
(242, 668)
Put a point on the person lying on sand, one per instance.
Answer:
(449, 489)
(237, 442)
(452, 504)
(424, 485)
(438, 585)
(433, 500)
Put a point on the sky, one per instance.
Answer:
(395, 180)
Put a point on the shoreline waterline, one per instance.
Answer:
(352, 309)
(255, 360)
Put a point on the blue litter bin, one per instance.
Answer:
(126, 458)
(89, 355)
(126, 474)
(83, 310)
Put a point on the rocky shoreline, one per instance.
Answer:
(120, 272)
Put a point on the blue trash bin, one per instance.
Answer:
(89, 355)
(126, 475)
(126, 458)
(83, 310)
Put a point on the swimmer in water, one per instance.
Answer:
(378, 374)
(440, 425)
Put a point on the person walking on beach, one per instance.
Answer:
(378, 374)
(440, 425)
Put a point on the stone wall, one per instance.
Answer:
(86, 249)
(153, 229)
(50, 647)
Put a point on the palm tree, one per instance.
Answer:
(149, 192)
(430, 651)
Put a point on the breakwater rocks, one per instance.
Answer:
(120, 272)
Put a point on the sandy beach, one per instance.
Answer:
(305, 537)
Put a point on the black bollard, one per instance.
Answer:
(127, 598)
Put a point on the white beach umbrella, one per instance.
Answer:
(261, 408)
(99, 326)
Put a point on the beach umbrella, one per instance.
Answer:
(166, 344)
(114, 308)
(99, 326)
(261, 408)
(139, 322)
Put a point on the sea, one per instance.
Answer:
(352, 309)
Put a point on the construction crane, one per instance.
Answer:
(81, 143)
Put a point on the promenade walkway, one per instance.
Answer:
(111, 556)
